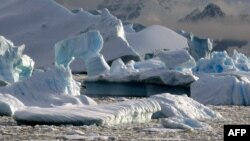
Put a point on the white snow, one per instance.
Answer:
(106, 114)
(14, 65)
(222, 90)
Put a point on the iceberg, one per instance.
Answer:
(222, 90)
(221, 62)
(14, 65)
(97, 66)
(182, 107)
(152, 71)
(198, 47)
(177, 59)
(86, 47)
(156, 38)
(83, 46)
(40, 31)
(133, 111)
(54, 87)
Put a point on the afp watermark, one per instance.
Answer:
(236, 132)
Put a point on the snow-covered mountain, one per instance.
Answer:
(211, 11)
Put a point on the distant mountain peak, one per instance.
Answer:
(211, 11)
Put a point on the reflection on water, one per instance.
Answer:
(128, 89)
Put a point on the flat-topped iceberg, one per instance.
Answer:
(221, 62)
(55, 87)
(222, 90)
(130, 111)
(14, 65)
(133, 111)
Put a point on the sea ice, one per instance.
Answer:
(184, 123)
(14, 66)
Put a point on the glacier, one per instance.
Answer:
(14, 65)
(221, 62)
(54, 87)
(227, 89)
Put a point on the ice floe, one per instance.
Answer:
(184, 123)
